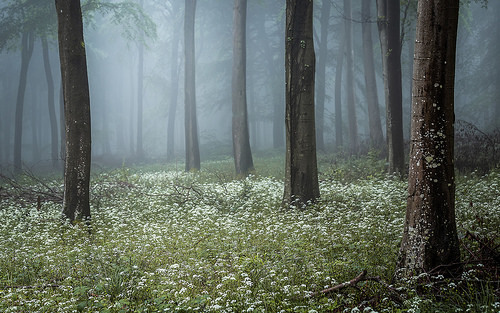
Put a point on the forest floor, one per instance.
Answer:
(162, 240)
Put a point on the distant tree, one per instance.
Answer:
(375, 125)
(54, 136)
(301, 173)
(351, 105)
(321, 74)
(76, 110)
(339, 138)
(27, 43)
(191, 123)
(430, 240)
(241, 140)
(388, 27)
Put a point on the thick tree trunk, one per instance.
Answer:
(241, 141)
(375, 125)
(339, 138)
(174, 88)
(76, 110)
(191, 123)
(388, 26)
(27, 43)
(54, 137)
(301, 173)
(351, 105)
(430, 236)
(321, 76)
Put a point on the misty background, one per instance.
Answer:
(113, 48)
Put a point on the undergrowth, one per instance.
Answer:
(162, 240)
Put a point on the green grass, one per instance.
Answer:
(165, 240)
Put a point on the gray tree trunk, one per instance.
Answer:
(191, 123)
(27, 43)
(54, 137)
(174, 88)
(321, 76)
(140, 97)
(339, 138)
(76, 110)
(388, 26)
(351, 105)
(430, 239)
(301, 173)
(375, 125)
(242, 153)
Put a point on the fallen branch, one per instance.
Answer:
(351, 283)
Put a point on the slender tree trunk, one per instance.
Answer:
(388, 26)
(35, 134)
(430, 241)
(301, 173)
(242, 153)
(140, 96)
(54, 137)
(351, 105)
(27, 43)
(376, 135)
(321, 74)
(76, 110)
(174, 88)
(339, 138)
(191, 123)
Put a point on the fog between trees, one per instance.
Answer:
(112, 47)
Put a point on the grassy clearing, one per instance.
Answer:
(165, 240)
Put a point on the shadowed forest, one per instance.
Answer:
(267, 156)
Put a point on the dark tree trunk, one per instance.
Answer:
(388, 26)
(241, 140)
(351, 105)
(430, 235)
(376, 135)
(76, 110)
(35, 124)
(301, 173)
(191, 123)
(321, 76)
(62, 130)
(54, 137)
(174, 87)
(27, 42)
(339, 138)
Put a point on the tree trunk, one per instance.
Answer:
(376, 135)
(174, 87)
(301, 173)
(320, 74)
(191, 123)
(351, 105)
(140, 96)
(27, 43)
(76, 110)
(54, 137)
(339, 138)
(430, 236)
(62, 130)
(388, 27)
(241, 140)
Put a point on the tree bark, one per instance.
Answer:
(191, 123)
(76, 110)
(375, 125)
(174, 88)
(388, 26)
(242, 153)
(321, 74)
(54, 137)
(351, 105)
(430, 236)
(27, 43)
(301, 173)
(339, 138)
